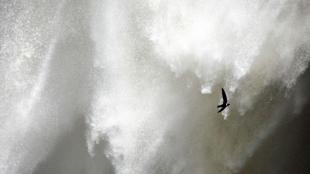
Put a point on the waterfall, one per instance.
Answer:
(131, 87)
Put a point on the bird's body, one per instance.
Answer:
(224, 104)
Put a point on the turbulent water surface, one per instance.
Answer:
(131, 87)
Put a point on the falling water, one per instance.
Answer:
(131, 87)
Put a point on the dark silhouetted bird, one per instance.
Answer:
(224, 104)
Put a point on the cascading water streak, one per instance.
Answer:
(131, 87)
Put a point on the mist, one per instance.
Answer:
(131, 87)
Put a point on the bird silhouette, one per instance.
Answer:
(224, 104)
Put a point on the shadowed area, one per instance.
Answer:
(70, 156)
(287, 149)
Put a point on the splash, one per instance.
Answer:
(145, 79)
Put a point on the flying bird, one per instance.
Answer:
(224, 104)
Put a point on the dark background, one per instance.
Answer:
(287, 149)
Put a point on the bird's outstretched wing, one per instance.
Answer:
(222, 108)
(224, 96)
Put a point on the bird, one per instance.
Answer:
(224, 104)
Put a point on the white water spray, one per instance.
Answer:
(145, 77)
